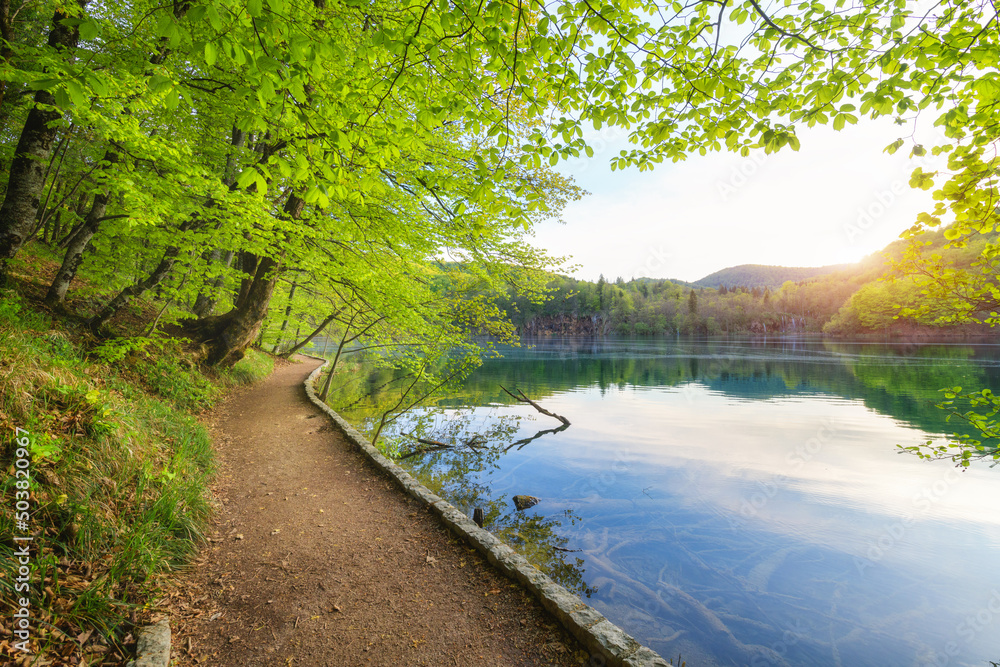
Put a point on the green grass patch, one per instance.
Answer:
(255, 366)
(119, 472)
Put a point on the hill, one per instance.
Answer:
(841, 300)
(760, 275)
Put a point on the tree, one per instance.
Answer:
(348, 105)
(26, 173)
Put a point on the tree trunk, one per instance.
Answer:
(305, 341)
(53, 227)
(227, 337)
(78, 242)
(26, 177)
(205, 303)
(248, 264)
(74, 251)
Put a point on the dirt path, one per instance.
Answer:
(319, 559)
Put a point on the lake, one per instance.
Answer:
(737, 502)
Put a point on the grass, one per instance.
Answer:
(119, 469)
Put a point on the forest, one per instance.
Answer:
(759, 275)
(270, 169)
(876, 296)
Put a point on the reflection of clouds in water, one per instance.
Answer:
(784, 576)
(775, 439)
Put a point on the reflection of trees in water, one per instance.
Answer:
(459, 474)
(900, 380)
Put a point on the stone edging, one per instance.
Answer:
(607, 643)
(153, 649)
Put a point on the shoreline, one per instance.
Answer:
(605, 640)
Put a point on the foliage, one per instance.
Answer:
(215, 147)
(979, 411)
(116, 349)
(188, 127)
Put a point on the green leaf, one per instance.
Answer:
(62, 98)
(165, 26)
(172, 99)
(44, 84)
(246, 177)
(214, 19)
(76, 93)
(211, 53)
(89, 29)
(893, 147)
(159, 83)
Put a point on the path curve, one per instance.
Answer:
(319, 559)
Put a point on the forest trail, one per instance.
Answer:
(318, 558)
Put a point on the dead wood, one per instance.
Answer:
(524, 441)
(432, 446)
(521, 398)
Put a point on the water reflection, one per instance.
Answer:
(740, 502)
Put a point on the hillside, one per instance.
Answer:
(114, 492)
(842, 300)
(760, 275)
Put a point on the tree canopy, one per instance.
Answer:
(216, 150)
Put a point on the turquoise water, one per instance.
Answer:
(739, 502)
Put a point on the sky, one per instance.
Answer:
(836, 200)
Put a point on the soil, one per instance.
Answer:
(318, 558)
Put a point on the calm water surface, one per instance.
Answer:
(739, 502)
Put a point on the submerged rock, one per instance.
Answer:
(524, 502)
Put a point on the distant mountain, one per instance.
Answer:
(675, 281)
(760, 275)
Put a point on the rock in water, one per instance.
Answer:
(524, 502)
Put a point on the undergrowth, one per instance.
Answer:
(119, 468)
